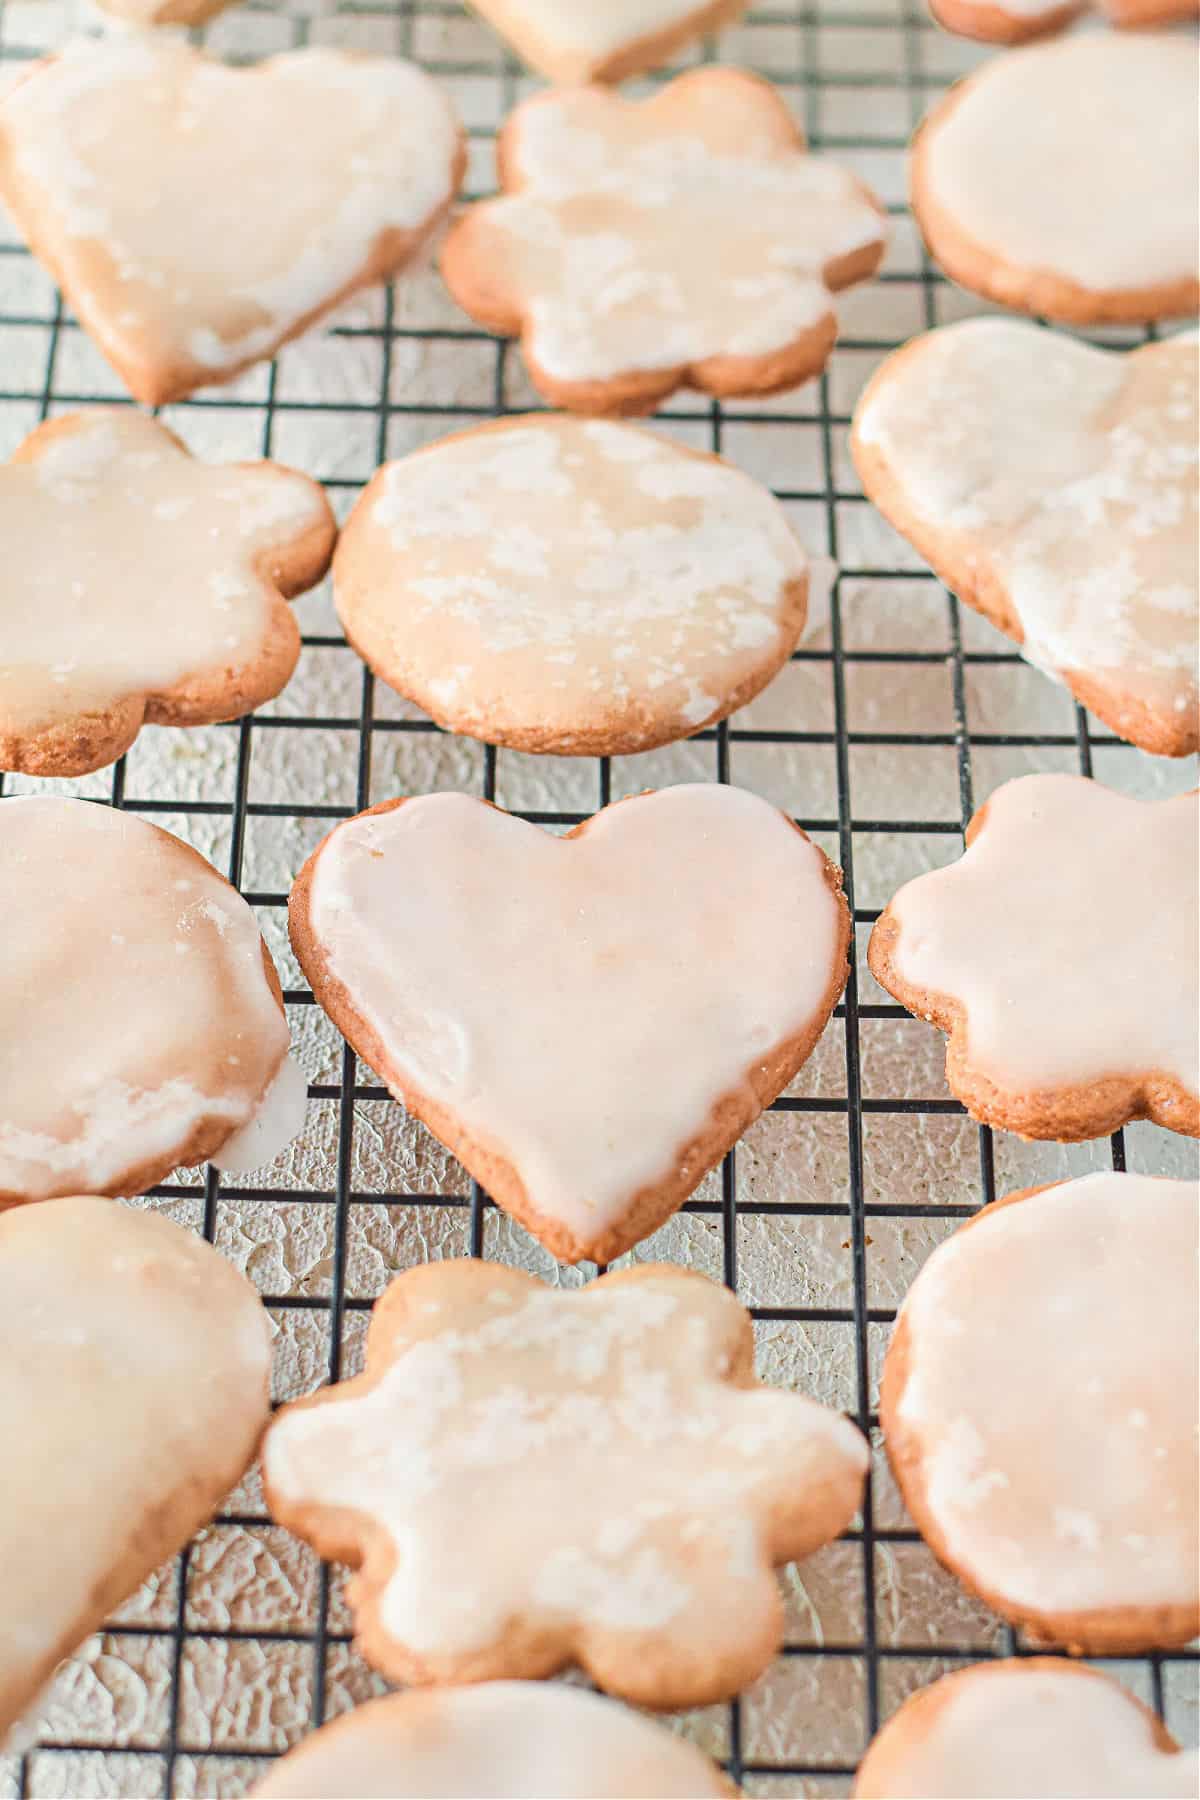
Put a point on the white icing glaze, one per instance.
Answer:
(1070, 473)
(1052, 1390)
(133, 1388)
(507, 1740)
(653, 235)
(1019, 1731)
(591, 1447)
(569, 576)
(1068, 934)
(646, 964)
(134, 1003)
(344, 148)
(279, 1119)
(85, 625)
(570, 43)
(1115, 119)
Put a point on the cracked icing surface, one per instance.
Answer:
(84, 623)
(512, 1738)
(1024, 1728)
(1051, 1396)
(131, 1013)
(1067, 933)
(653, 235)
(1115, 117)
(596, 1440)
(1070, 474)
(564, 578)
(344, 149)
(134, 1381)
(650, 962)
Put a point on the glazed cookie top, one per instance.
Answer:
(86, 625)
(563, 582)
(134, 1381)
(651, 961)
(1047, 1396)
(607, 1451)
(583, 41)
(1068, 472)
(1066, 934)
(1115, 118)
(135, 1007)
(655, 234)
(348, 148)
(508, 1740)
(1022, 1729)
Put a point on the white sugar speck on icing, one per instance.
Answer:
(1067, 933)
(1051, 1504)
(114, 1046)
(83, 625)
(355, 147)
(585, 1435)
(1070, 473)
(570, 577)
(1114, 115)
(654, 960)
(636, 228)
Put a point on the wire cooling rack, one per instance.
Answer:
(893, 721)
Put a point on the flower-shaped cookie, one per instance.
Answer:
(1062, 179)
(198, 216)
(1015, 21)
(603, 40)
(543, 1741)
(685, 239)
(1060, 955)
(141, 586)
(1027, 1725)
(528, 1477)
(1054, 487)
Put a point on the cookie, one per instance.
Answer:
(141, 1021)
(1060, 956)
(276, 192)
(1024, 1727)
(163, 12)
(638, 247)
(1015, 21)
(191, 630)
(1039, 1403)
(572, 586)
(588, 1023)
(1112, 235)
(603, 40)
(508, 1740)
(1053, 487)
(133, 1391)
(623, 1481)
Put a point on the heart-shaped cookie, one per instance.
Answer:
(133, 1389)
(588, 1022)
(603, 40)
(1053, 487)
(198, 216)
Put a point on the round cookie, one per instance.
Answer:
(1039, 1404)
(603, 40)
(141, 1020)
(198, 216)
(1053, 486)
(675, 959)
(133, 1390)
(1059, 954)
(625, 1482)
(192, 629)
(1021, 1729)
(573, 586)
(508, 1740)
(1062, 179)
(684, 240)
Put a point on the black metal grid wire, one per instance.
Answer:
(805, 81)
